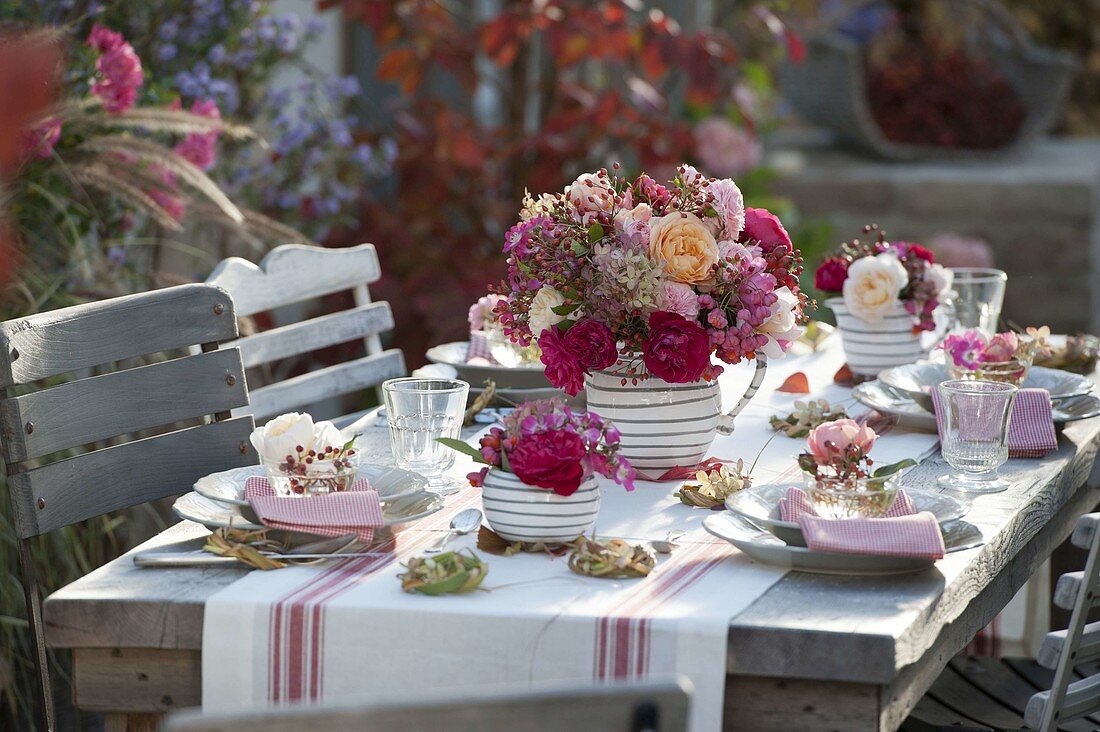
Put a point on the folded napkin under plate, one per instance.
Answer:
(357, 511)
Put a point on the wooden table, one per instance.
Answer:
(814, 652)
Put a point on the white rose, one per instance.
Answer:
(325, 435)
(591, 193)
(873, 285)
(941, 277)
(690, 176)
(281, 436)
(541, 315)
(782, 327)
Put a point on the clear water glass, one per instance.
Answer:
(979, 296)
(974, 434)
(420, 411)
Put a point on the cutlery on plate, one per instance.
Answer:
(463, 523)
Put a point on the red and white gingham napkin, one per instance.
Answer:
(900, 533)
(479, 348)
(357, 511)
(1031, 427)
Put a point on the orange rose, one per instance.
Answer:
(684, 245)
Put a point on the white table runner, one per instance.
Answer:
(346, 630)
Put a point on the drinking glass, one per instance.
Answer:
(979, 295)
(419, 412)
(974, 434)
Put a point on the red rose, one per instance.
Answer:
(593, 345)
(563, 368)
(919, 252)
(677, 350)
(550, 459)
(764, 228)
(830, 276)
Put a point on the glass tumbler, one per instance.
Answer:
(979, 296)
(420, 411)
(974, 419)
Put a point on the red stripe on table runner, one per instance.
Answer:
(296, 630)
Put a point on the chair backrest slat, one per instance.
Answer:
(1088, 650)
(292, 273)
(95, 483)
(78, 412)
(57, 342)
(268, 401)
(312, 335)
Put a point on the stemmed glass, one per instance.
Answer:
(974, 419)
(979, 296)
(420, 411)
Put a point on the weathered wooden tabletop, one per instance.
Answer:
(815, 652)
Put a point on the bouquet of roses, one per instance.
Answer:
(649, 279)
(547, 444)
(875, 276)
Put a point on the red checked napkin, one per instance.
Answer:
(355, 511)
(900, 533)
(1031, 427)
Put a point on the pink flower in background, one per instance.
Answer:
(199, 148)
(592, 345)
(730, 205)
(681, 299)
(39, 142)
(965, 349)
(550, 459)
(563, 369)
(830, 439)
(957, 250)
(678, 350)
(830, 276)
(120, 74)
(764, 228)
(171, 203)
(724, 149)
(1001, 347)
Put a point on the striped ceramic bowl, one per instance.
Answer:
(663, 425)
(521, 512)
(873, 347)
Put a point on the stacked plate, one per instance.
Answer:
(752, 524)
(218, 500)
(906, 392)
(515, 384)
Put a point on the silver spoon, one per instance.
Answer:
(463, 523)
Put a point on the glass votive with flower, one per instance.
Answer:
(305, 459)
(839, 476)
(1004, 358)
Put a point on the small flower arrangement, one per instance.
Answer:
(874, 276)
(1004, 357)
(840, 475)
(649, 279)
(547, 444)
(303, 458)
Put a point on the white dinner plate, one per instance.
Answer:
(916, 381)
(218, 515)
(914, 416)
(518, 377)
(390, 482)
(760, 504)
(768, 549)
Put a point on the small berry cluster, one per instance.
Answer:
(320, 471)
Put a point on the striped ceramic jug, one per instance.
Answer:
(663, 425)
(870, 347)
(521, 512)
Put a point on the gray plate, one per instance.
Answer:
(916, 380)
(766, 548)
(914, 416)
(217, 515)
(520, 377)
(760, 504)
(391, 483)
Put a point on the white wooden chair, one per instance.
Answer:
(653, 707)
(1065, 650)
(295, 273)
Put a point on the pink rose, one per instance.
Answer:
(104, 39)
(592, 345)
(830, 276)
(633, 224)
(681, 299)
(955, 250)
(764, 228)
(831, 439)
(677, 350)
(550, 459)
(1001, 347)
(199, 148)
(563, 369)
(729, 204)
(724, 149)
(121, 76)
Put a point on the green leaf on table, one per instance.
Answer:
(888, 470)
(462, 446)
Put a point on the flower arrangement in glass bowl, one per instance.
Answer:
(648, 279)
(303, 458)
(838, 472)
(1006, 357)
(485, 323)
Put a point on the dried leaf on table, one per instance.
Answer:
(442, 574)
(796, 383)
(611, 559)
(241, 546)
(491, 542)
(844, 376)
(714, 486)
